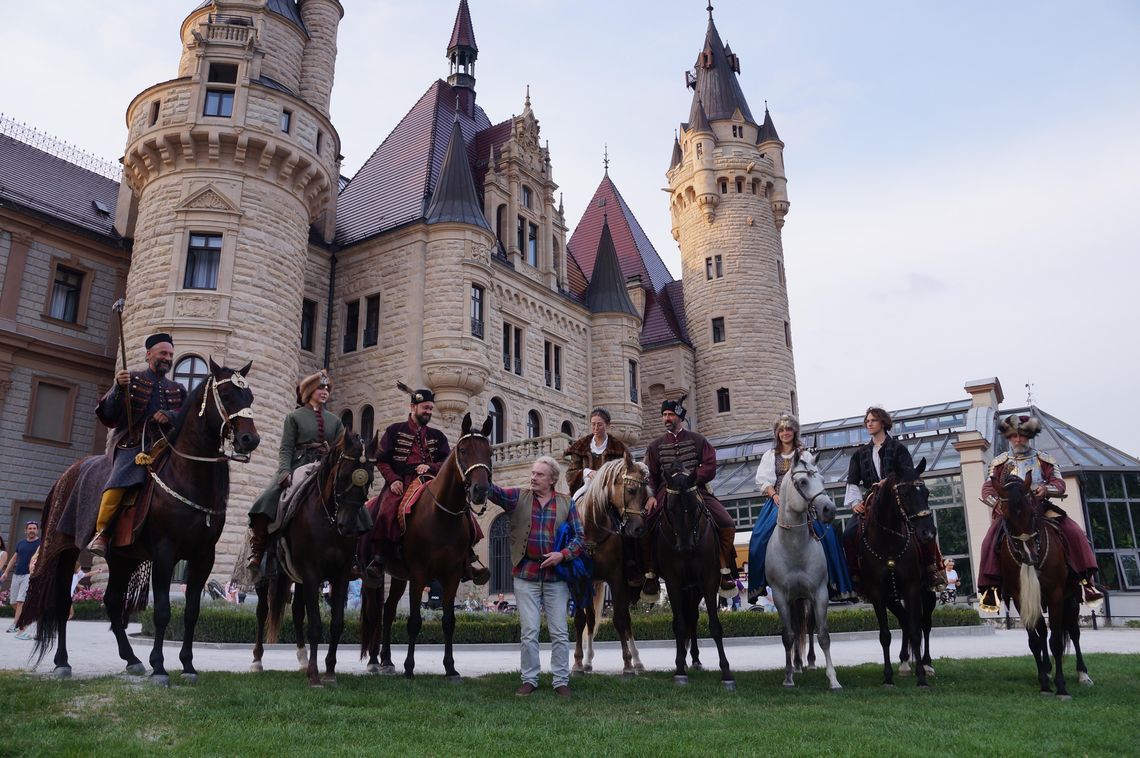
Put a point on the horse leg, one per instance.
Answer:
(680, 631)
(885, 641)
(692, 620)
(1073, 623)
(1057, 640)
(449, 590)
(912, 634)
(338, 594)
(623, 624)
(717, 632)
(395, 592)
(810, 630)
(787, 632)
(415, 621)
(371, 624)
(162, 568)
(929, 601)
(1040, 658)
(298, 606)
(263, 590)
(64, 571)
(312, 597)
(821, 630)
(114, 600)
(593, 618)
(198, 573)
(580, 623)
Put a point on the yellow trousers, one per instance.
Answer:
(108, 506)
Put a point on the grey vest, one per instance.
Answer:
(521, 519)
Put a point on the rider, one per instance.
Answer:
(871, 463)
(1022, 459)
(696, 454)
(408, 450)
(775, 463)
(589, 453)
(308, 434)
(153, 401)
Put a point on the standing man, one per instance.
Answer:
(536, 514)
(152, 400)
(19, 566)
(694, 453)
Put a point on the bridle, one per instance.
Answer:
(699, 507)
(809, 508)
(361, 479)
(891, 561)
(1018, 544)
(623, 514)
(464, 475)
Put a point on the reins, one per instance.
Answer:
(464, 473)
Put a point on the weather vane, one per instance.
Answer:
(1029, 394)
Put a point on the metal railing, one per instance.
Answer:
(33, 137)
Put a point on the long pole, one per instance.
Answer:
(118, 308)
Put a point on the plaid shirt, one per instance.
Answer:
(542, 530)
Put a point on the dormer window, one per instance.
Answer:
(219, 97)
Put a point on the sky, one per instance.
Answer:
(964, 177)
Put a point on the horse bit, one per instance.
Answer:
(463, 474)
(1021, 555)
(810, 508)
(359, 480)
(622, 515)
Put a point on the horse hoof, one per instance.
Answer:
(924, 686)
(1046, 693)
(1066, 696)
(409, 675)
(64, 672)
(136, 668)
(798, 670)
(639, 668)
(812, 667)
(888, 685)
(729, 685)
(696, 666)
(1085, 679)
(372, 668)
(159, 680)
(316, 685)
(329, 679)
(789, 684)
(454, 678)
(189, 677)
(255, 667)
(680, 680)
(835, 687)
(929, 670)
(388, 669)
(628, 674)
(302, 658)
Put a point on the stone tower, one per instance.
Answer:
(227, 168)
(728, 200)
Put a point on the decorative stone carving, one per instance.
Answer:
(196, 306)
(208, 199)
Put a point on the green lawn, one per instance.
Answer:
(975, 708)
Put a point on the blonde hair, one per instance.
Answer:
(552, 464)
(594, 500)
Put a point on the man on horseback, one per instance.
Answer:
(871, 463)
(694, 453)
(140, 408)
(1022, 459)
(411, 450)
(309, 433)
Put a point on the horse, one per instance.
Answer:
(688, 559)
(1035, 574)
(436, 546)
(318, 544)
(612, 509)
(796, 566)
(187, 493)
(893, 578)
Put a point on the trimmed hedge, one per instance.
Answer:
(228, 623)
(85, 610)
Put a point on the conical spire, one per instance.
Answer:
(767, 129)
(699, 122)
(678, 156)
(454, 198)
(462, 51)
(607, 293)
(715, 82)
(463, 33)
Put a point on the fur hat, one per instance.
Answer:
(676, 406)
(154, 339)
(1027, 426)
(786, 420)
(310, 384)
(417, 396)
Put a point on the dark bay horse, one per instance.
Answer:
(1035, 574)
(688, 559)
(613, 507)
(188, 488)
(319, 545)
(893, 579)
(436, 546)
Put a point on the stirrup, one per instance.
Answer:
(98, 545)
(1089, 593)
(651, 588)
(989, 601)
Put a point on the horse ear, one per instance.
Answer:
(1029, 481)
(244, 370)
(921, 466)
(374, 443)
(488, 425)
(628, 459)
(466, 424)
(215, 369)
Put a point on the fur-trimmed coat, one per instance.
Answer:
(580, 457)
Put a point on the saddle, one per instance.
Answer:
(408, 501)
(302, 480)
(135, 505)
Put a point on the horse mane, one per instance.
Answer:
(596, 497)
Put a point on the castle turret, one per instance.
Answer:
(225, 169)
(462, 53)
(727, 199)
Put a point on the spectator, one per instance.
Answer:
(353, 602)
(19, 566)
(76, 578)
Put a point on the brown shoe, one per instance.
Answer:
(98, 545)
(526, 688)
(989, 601)
(1089, 592)
(562, 690)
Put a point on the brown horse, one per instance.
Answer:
(318, 545)
(893, 579)
(612, 508)
(1035, 574)
(688, 559)
(436, 547)
(187, 490)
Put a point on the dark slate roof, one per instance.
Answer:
(479, 149)
(717, 86)
(767, 129)
(634, 250)
(677, 155)
(454, 198)
(394, 186)
(285, 8)
(463, 33)
(42, 183)
(665, 317)
(700, 120)
(607, 292)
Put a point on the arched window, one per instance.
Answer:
(533, 425)
(498, 421)
(191, 371)
(500, 555)
(367, 422)
(346, 419)
(568, 429)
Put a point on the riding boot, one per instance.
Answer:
(728, 570)
(1089, 588)
(258, 539)
(988, 599)
(936, 577)
(108, 506)
(475, 573)
(651, 588)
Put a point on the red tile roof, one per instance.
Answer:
(662, 326)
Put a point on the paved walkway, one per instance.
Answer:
(93, 653)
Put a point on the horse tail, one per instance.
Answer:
(48, 600)
(138, 591)
(277, 594)
(1029, 602)
(371, 615)
(800, 625)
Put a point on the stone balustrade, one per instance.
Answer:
(525, 451)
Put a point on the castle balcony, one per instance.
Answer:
(524, 452)
(230, 28)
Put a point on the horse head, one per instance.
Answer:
(620, 486)
(1022, 510)
(226, 401)
(353, 466)
(805, 481)
(683, 506)
(914, 502)
(473, 460)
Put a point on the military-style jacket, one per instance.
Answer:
(691, 449)
(148, 394)
(1042, 466)
(581, 457)
(305, 438)
(406, 445)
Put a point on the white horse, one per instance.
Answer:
(797, 567)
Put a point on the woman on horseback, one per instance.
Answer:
(769, 474)
(587, 455)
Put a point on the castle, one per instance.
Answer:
(445, 261)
